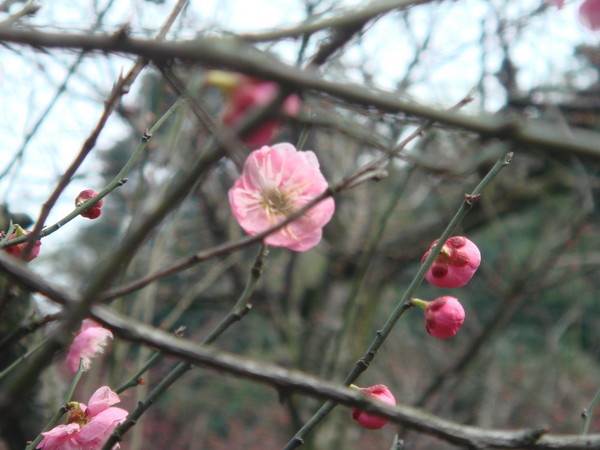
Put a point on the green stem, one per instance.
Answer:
(237, 312)
(21, 358)
(418, 302)
(588, 413)
(62, 410)
(135, 379)
(403, 305)
(118, 180)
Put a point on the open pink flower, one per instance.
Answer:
(89, 341)
(589, 14)
(443, 316)
(89, 426)
(367, 420)
(94, 211)
(275, 183)
(455, 265)
(17, 250)
(244, 94)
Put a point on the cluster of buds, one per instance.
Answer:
(455, 265)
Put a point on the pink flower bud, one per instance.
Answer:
(455, 265)
(16, 250)
(443, 317)
(367, 420)
(94, 211)
(589, 14)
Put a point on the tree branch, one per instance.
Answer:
(235, 55)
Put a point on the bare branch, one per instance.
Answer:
(236, 55)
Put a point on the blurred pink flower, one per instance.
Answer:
(443, 317)
(367, 420)
(276, 182)
(558, 3)
(16, 250)
(455, 265)
(88, 426)
(94, 211)
(589, 14)
(245, 93)
(89, 341)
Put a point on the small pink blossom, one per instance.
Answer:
(589, 14)
(248, 93)
(276, 182)
(89, 426)
(94, 211)
(443, 317)
(367, 420)
(455, 265)
(89, 341)
(17, 250)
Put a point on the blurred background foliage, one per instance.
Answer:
(528, 353)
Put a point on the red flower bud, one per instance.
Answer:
(443, 317)
(94, 211)
(16, 250)
(367, 420)
(455, 265)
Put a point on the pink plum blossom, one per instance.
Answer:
(443, 317)
(94, 211)
(89, 341)
(589, 14)
(17, 250)
(456, 263)
(88, 426)
(244, 94)
(276, 182)
(367, 420)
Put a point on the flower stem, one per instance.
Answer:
(404, 304)
(418, 302)
(62, 410)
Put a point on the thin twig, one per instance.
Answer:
(403, 304)
(118, 180)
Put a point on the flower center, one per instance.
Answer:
(276, 202)
(77, 414)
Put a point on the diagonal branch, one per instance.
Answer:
(236, 55)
